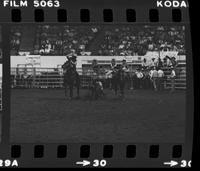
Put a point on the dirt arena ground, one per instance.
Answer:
(44, 115)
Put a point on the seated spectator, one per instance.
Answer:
(138, 40)
(15, 39)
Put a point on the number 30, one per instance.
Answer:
(184, 163)
(101, 163)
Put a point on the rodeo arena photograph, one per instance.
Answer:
(98, 83)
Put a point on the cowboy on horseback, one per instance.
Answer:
(71, 76)
(71, 62)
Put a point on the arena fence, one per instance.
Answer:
(53, 78)
(180, 81)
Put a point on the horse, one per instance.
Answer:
(71, 79)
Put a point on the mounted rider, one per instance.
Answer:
(71, 62)
(71, 76)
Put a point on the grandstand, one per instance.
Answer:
(139, 40)
(51, 40)
(98, 40)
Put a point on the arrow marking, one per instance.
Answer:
(171, 163)
(83, 163)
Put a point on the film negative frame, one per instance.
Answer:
(116, 155)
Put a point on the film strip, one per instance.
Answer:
(129, 63)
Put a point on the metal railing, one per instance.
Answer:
(46, 77)
(53, 78)
(180, 80)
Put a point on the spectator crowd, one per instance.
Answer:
(138, 40)
(15, 39)
(111, 40)
(56, 40)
